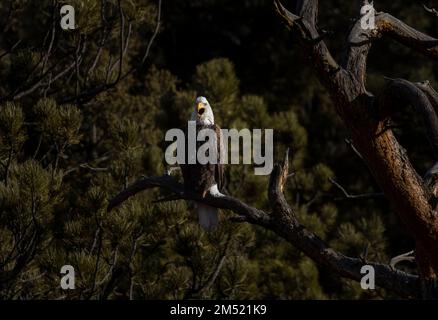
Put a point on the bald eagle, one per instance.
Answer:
(209, 177)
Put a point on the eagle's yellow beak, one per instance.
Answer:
(201, 108)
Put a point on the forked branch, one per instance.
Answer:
(360, 41)
(283, 221)
(366, 116)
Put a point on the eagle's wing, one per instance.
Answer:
(219, 174)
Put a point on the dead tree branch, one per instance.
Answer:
(362, 196)
(432, 11)
(283, 221)
(399, 93)
(366, 116)
(408, 256)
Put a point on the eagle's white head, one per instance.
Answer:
(202, 113)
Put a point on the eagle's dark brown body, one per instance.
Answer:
(206, 177)
(198, 178)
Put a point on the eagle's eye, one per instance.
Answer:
(201, 111)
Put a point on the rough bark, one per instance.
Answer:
(283, 221)
(366, 116)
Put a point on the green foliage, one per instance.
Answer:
(61, 162)
(59, 124)
(147, 250)
(12, 129)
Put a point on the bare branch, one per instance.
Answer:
(410, 37)
(213, 275)
(154, 35)
(364, 196)
(303, 22)
(10, 50)
(352, 146)
(284, 222)
(432, 11)
(400, 92)
(430, 92)
(92, 92)
(403, 257)
(360, 41)
(167, 182)
(366, 116)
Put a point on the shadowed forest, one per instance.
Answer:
(83, 115)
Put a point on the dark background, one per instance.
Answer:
(66, 150)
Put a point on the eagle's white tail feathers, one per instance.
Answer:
(208, 216)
